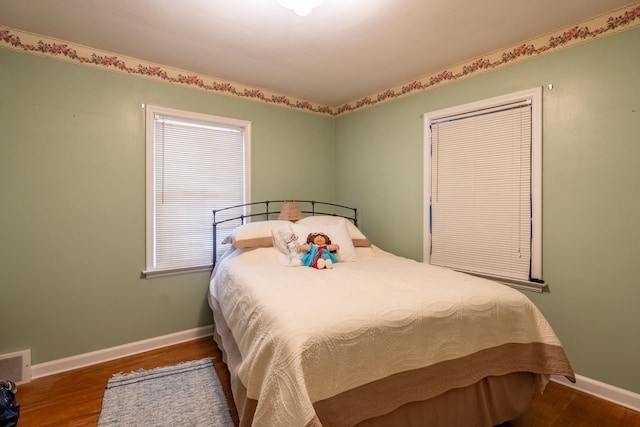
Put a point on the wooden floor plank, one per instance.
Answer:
(74, 398)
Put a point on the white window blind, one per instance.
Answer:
(199, 163)
(481, 190)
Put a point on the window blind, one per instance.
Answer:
(481, 191)
(198, 166)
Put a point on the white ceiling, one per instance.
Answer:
(345, 50)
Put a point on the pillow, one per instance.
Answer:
(287, 238)
(358, 239)
(254, 234)
(286, 241)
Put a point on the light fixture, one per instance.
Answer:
(290, 211)
(301, 7)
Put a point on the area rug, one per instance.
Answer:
(188, 394)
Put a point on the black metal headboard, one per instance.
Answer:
(234, 216)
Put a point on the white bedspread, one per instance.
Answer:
(305, 335)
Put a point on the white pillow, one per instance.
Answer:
(286, 241)
(357, 237)
(287, 238)
(254, 234)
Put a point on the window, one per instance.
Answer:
(195, 163)
(483, 184)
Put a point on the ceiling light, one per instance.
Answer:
(301, 7)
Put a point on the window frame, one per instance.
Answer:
(150, 111)
(535, 95)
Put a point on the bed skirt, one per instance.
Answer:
(488, 402)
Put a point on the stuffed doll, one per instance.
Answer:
(318, 251)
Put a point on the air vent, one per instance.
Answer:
(16, 367)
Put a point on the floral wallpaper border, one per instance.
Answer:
(621, 19)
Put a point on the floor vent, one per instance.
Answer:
(16, 367)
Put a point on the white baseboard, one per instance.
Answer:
(596, 388)
(602, 390)
(99, 356)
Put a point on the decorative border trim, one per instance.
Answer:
(32, 43)
(616, 21)
(621, 19)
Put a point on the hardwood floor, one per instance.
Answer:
(74, 398)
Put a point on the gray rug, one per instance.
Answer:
(188, 394)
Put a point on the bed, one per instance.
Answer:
(378, 340)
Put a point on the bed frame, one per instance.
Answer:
(270, 209)
(491, 399)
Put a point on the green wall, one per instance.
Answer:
(591, 185)
(72, 210)
(72, 191)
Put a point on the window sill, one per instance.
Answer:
(154, 274)
(523, 285)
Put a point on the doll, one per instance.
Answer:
(318, 251)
